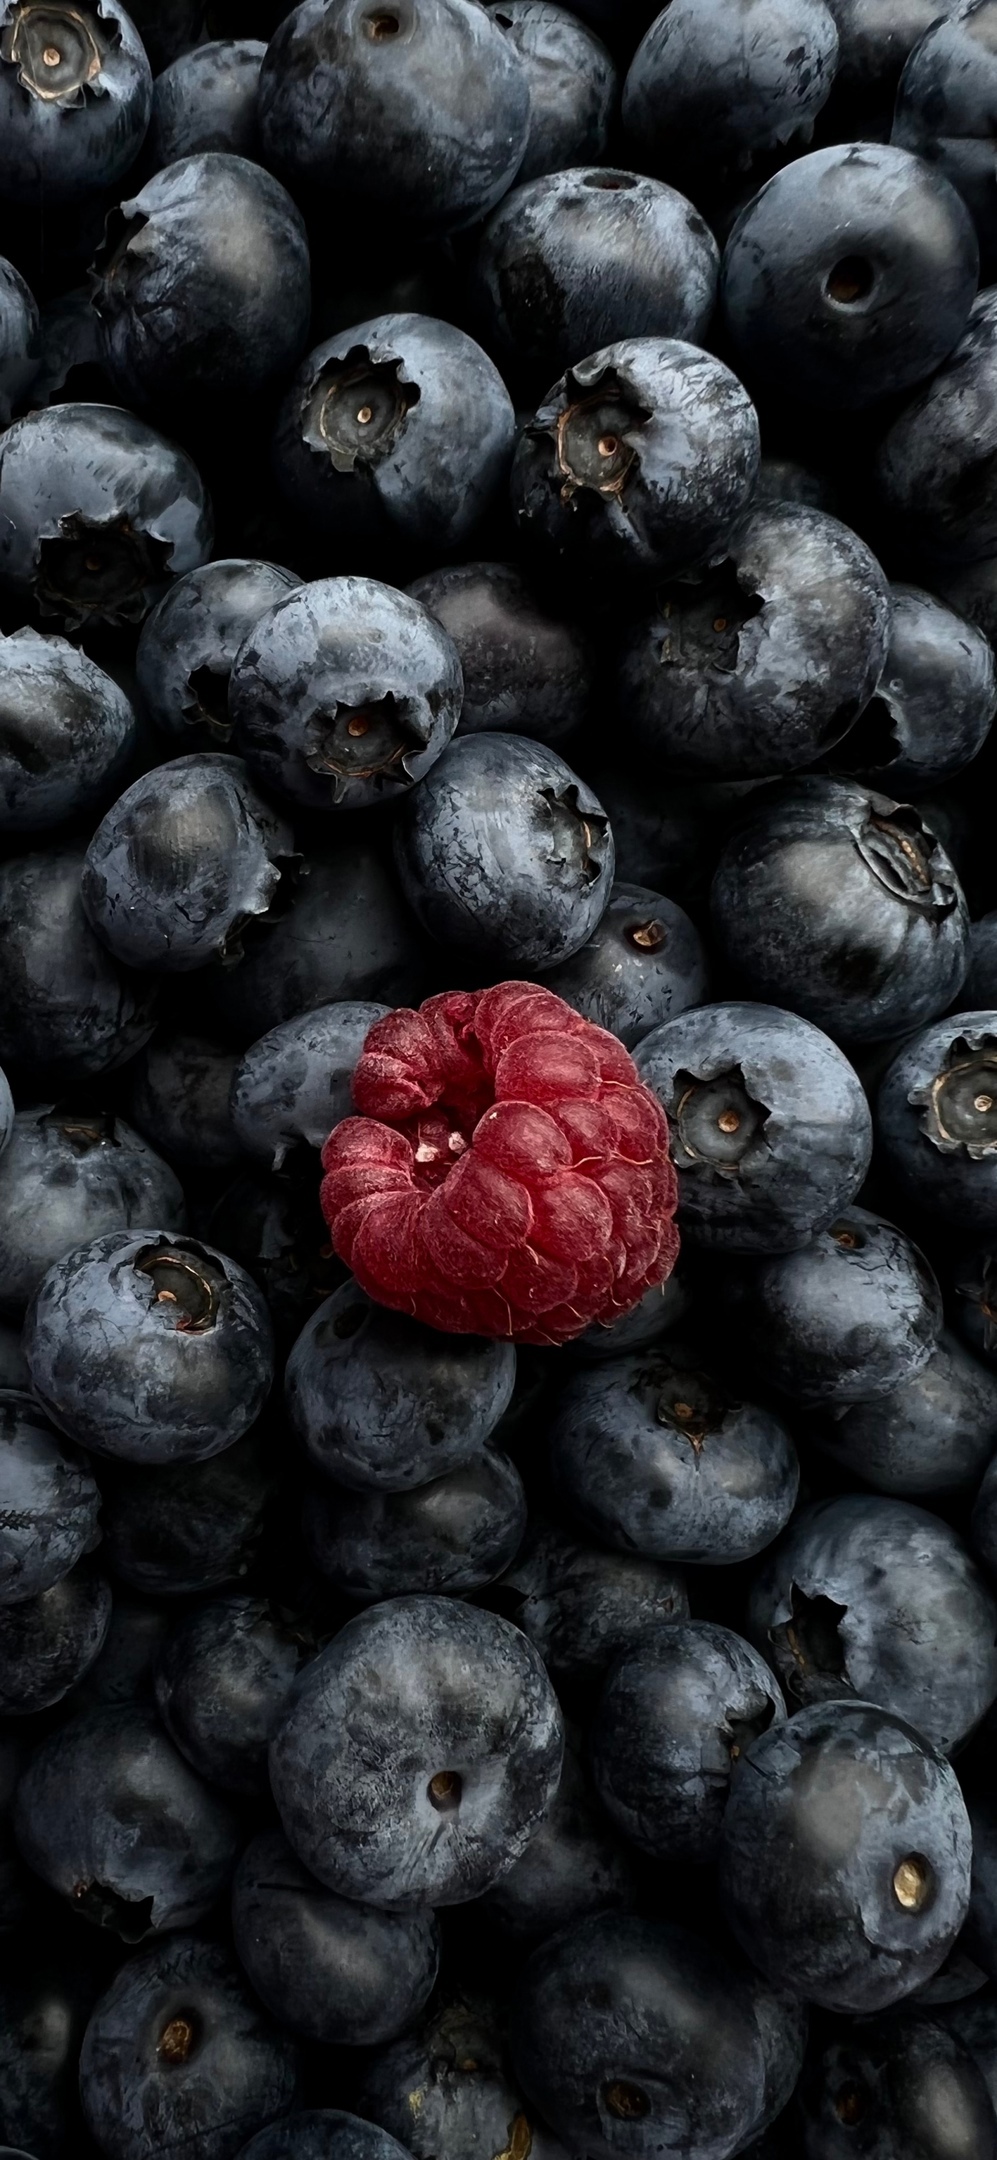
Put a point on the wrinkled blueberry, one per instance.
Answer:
(223, 1679)
(526, 670)
(48, 1643)
(67, 1177)
(188, 643)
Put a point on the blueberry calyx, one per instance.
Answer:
(129, 1918)
(717, 1122)
(705, 617)
(913, 1883)
(901, 853)
(364, 742)
(101, 569)
(686, 1401)
(625, 2100)
(84, 1129)
(581, 833)
(59, 52)
(445, 1791)
(177, 2040)
(206, 704)
(809, 1651)
(185, 1282)
(593, 436)
(357, 408)
(959, 1103)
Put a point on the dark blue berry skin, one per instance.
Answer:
(935, 1433)
(125, 1670)
(171, 326)
(323, 2134)
(582, 1606)
(331, 1970)
(636, 2038)
(49, 1503)
(677, 466)
(644, 963)
(20, 340)
(452, 1760)
(934, 702)
(905, 2086)
(874, 40)
(422, 470)
(189, 855)
(658, 1312)
(845, 1856)
(445, 2087)
(575, 259)
(771, 1133)
(46, 1996)
(764, 661)
(111, 1817)
(223, 1680)
(935, 467)
(981, 1925)
(850, 276)
(67, 1177)
(294, 1085)
(935, 1127)
(984, 1523)
(56, 148)
(174, 1529)
(188, 643)
(526, 670)
(654, 1456)
(973, 2019)
(344, 933)
(699, 105)
(574, 1865)
(846, 1319)
(82, 1014)
(151, 1348)
(48, 1643)
(980, 987)
(677, 1710)
(344, 694)
(573, 85)
(971, 1279)
(447, 1538)
(842, 905)
(871, 1597)
(177, 2054)
(178, 1093)
(505, 851)
(944, 105)
(430, 119)
(85, 484)
(206, 100)
(381, 1403)
(6, 1113)
(68, 733)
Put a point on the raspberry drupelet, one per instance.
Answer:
(508, 1174)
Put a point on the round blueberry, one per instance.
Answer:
(935, 1433)
(449, 1537)
(936, 1121)
(49, 1504)
(206, 100)
(75, 98)
(68, 733)
(934, 702)
(323, 2134)
(944, 103)
(583, 1606)
(85, 1015)
(20, 340)
(573, 84)
(222, 1684)
(294, 1085)
(644, 962)
(179, 1093)
(527, 670)
(48, 1643)
(188, 643)
(67, 1177)
(905, 2083)
(179, 1529)
(936, 466)
(699, 104)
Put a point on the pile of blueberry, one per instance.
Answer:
(498, 1109)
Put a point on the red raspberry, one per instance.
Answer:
(509, 1174)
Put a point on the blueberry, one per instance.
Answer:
(48, 1643)
(84, 1015)
(453, 1757)
(171, 326)
(677, 1711)
(189, 855)
(448, 1537)
(271, 1222)
(205, 99)
(50, 1504)
(846, 1319)
(396, 433)
(177, 2054)
(764, 660)
(382, 1403)
(934, 702)
(935, 1124)
(640, 460)
(46, 1998)
(770, 1129)
(293, 1086)
(874, 1598)
(980, 986)
(575, 259)
(67, 1177)
(972, 1278)
(98, 514)
(635, 2037)
(644, 962)
(188, 643)
(223, 1680)
(7, 1113)
(572, 80)
(329, 1969)
(149, 1347)
(111, 1817)
(424, 111)
(936, 466)
(943, 106)
(845, 1856)
(505, 850)
(582, 1606)
(659, 1311)
(75, 98)
(178, 1092)
(445, 2086)
(935, 1433)
(842, 905)
(874, 41)
(344, 694)
(850, 275)
(68, 733)
(527, 671)
(655, 1456)
(20, 340)
(177, 1528)
(323, 2134)
(904, 2086)
(125, 1670)
(574, 1865)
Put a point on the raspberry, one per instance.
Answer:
(509, 1173)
